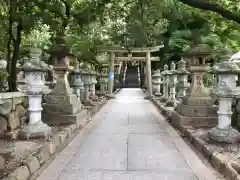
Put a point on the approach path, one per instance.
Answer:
(129, 141)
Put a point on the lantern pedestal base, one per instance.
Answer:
(56, 118)
(227, 135)
(171, 103)
(163, 99)
(179, 120)
(88, 102)
(148, 97)
(35, 130)
(110, 96)
(158, 94)
(197, 110)
(101, 94)
(63, 108)
(94, 97)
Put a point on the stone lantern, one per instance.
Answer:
(87, 81)
(196, 107)
(156, 82)
(35, 87)
(182, 79)
(172, 73)
(77, 82)
(92, 89)
(226, 90)
(165, 83)
(62, 105)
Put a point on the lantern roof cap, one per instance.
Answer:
(34, 63)
(157, 73)
(198, 50)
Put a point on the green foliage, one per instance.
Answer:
(3, 75)
(88, 24)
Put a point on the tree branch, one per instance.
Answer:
(202, 4)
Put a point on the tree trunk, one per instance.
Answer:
(214, 7)
(15, 57)
(10, 37)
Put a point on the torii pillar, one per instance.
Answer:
(110, 94)
(148, 75)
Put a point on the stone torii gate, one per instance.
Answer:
(112, 56)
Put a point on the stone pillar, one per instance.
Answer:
(148, 76)
(119, 68)
(35, 88)
(110, 94)
(92, 86)
(165, 83)
(227, 72)
(139, 79)
(124, 74)
(62, 106)
(182, 79)
(171, 102)
(156, 81)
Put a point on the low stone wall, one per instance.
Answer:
(13, 111)
(223, 157)
(23, 160)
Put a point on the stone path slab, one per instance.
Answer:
(131, 141)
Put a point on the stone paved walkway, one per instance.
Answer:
(130, 141)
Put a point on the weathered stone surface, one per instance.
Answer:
(25, 102)
(62, 136)
(52, 147)
(229, 172)
(32, 164)
(62, 108)
(21, 111)
(196, 111)
(9, 178)
(2, 162)
(197, 122)
(21, 173)
(6, 107)
(229, 135)
(68, 130)
(57, 119)
(13, 120)
(3, 124)
(17, 101)
(43, 154)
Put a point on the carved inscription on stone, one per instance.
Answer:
(200, 102)
(56, 99)
(59, 109)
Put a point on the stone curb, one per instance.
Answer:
(218, 162)
(47, 153)
(116, 91)
(143, 90)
